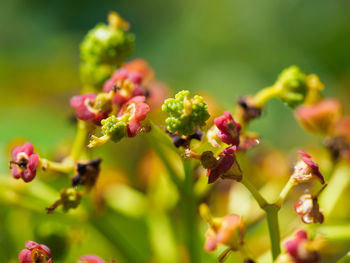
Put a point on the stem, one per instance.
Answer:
(255, 193)
(190, 215)
(64, 167)
(274, 230)
(289, 185)
(79, 141)
(264, 95)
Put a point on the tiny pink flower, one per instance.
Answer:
(24, 162)
(35, 252)
(91, 259)
(129, 84)
(138, 110)
(84, 106)
(228, 129)
(300, 251)
(306, 169)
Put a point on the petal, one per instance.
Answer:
(28, 148)
(15, 172)
(76, 101)
(28, 175)
(31, 244)
(210, 244)
(24, 256)
(33, 161)
(16, 151)
(91, 259)
(46, 250)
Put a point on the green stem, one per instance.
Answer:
(264, 95)
(189, 205)
(63, 167)
(79, 141)
(289, 185)
(274, 230)
(255, 193)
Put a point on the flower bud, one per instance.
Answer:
(306, 170)
(185, 113)
(107, 44)
(24, 162)
(291, 86)
(321, 117)
(228, 129)
(35, 252)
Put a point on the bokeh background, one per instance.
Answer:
(225, 48)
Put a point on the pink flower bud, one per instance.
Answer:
(24, 162)
(228, 129)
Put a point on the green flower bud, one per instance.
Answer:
(185, 113)
(106, 45)
(115, 127)
(291, 86)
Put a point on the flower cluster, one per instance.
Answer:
(24, 162)
(185, 113)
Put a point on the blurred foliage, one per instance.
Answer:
(225, 48)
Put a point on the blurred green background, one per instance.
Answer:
(226, 48)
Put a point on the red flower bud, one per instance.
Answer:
(228, 129)
(24, 162)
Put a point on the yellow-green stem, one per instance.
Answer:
(274, 229)
(80, 141)
(289, 185)
(255, 193)
(264, 95)
(63, 167)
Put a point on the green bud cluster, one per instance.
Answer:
(115, 127)
(103, 49)
(291, 86)
(185, 113)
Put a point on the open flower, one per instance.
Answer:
(24, 162)
(35, 252)
(228, 129)
(92, 107)
(308, 209)
(91, 259)
(301, 250)
(128, 122)
(306, 169)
